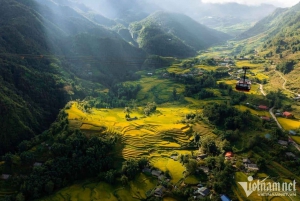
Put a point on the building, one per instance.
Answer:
(263, 107)
(283, 143)
(147, 170)
(37, 164)
(225, 198)
(228, 155)
(291, 132)
(287, 115)
(266, 118)
(159, 191)
(251, 167)
(156, 173)
(290, 155)
(202, 191)
(5, 176)
(246, 161)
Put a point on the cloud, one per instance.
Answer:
(280, 3)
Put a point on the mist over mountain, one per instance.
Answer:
(212, 15)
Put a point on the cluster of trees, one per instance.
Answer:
(120, 95)
(286, 66)
(149, 108)
(71, 156)
(228, 117)
(196, 86)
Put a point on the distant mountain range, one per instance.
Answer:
(212, 15)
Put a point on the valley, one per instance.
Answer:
(137, 101)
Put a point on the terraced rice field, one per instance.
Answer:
(101, 191)
(175, 168)
(158, 132)
(289, 124)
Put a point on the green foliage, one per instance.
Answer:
(150, 108)
(286, 66)
(228, 116)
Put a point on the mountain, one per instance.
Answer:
(232, 18)
(50, 53)
(168, 34)
(271, 22)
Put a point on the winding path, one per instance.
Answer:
(284, 83)
(271, 109)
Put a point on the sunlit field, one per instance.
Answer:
(296, 139)
(254, 112)
(289, 124)
(136, 190)
(175, 168)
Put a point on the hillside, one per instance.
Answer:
(276, 38)
(171, 30)
(45, 62)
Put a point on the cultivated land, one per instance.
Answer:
(162, 135)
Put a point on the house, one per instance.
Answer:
(266, 118)
(174, 157)
(251, 167)
(268, 136)
(205, 169)
(246, 160)
(228, 155)
(297, 98)
(283, 143)
(150, 74)
(147, 170)
(291, 132)
(290, 155)
(156, 173)
(5, 176)
(224, 198)
(202, 156)
(131, 119)
(37, 164)
(202, 191)
(287, 115)
(159, 191)
(278, 114)
(263, 107)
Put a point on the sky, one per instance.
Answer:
(279, 3)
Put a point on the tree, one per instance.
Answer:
(127, 110)
(191, 166)
(110, 176)
(174, 94)
(20, 197)
(124, 180)
(49, 187)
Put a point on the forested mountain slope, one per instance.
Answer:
(174, 32)
(47, 53)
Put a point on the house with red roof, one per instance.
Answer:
(266, 118)
(263, 107)
(287, 115)
(228, 155)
